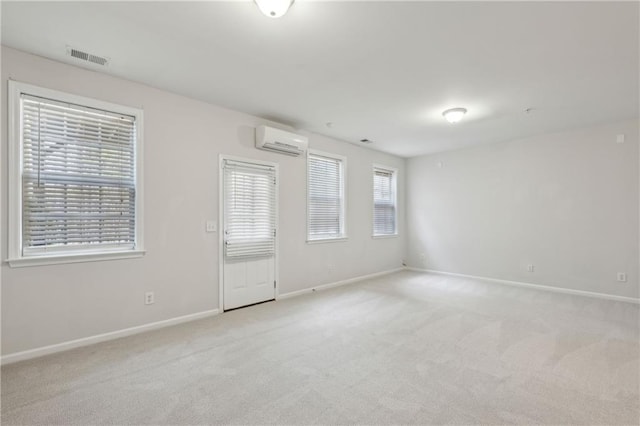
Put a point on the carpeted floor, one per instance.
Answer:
(404, 348)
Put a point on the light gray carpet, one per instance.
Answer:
(404, 348)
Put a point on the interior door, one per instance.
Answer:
(249, 226)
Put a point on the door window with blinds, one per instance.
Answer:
(76, 187)
(249, 210)
(384, 201)
(325, 196)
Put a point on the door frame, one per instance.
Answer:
(221, 223)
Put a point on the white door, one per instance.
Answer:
(249, 227)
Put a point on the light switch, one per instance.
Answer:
(620, 139)
(212, 226)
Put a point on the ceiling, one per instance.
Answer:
(384, 71)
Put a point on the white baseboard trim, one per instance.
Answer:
(337, 284)
(535, 286)
(85, 341)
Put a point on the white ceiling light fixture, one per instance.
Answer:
(454, 115)
(274, 8)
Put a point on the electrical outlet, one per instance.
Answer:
(620, 138)
(211, 226)
(149, 298)
(531, 268)
(622, 277)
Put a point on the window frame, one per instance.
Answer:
(343, 223)
(394, 183)
(16, 258)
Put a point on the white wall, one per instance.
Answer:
(46, 305)
(566, 203)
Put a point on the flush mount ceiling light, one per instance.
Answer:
(274, 8)
(454, 115)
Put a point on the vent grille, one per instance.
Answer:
(88, 57)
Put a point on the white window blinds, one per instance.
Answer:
(78, 177)
(325, 195)
(384, 202)
(249, 209)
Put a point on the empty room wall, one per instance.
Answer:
(183, 138)
(566, 203)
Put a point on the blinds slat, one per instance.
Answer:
(78, 176)
(384, 202)
(74, 108)
(249, 208)
(325, 197)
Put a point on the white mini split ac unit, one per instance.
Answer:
(276, 140)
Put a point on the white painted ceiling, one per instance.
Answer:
(378, 70)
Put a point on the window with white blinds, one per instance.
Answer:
(249, 209)
(78, 187)
(325, 196)
(384, 201)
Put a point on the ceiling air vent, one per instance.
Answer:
(88, 57)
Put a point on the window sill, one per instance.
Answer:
(381, 237)
(327, 240)
(73, 258)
